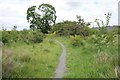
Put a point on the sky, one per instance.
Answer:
(13, 12)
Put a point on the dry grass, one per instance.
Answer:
(7, 63)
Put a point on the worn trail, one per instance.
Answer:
(60, 70)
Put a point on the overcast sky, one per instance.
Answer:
(13, 12)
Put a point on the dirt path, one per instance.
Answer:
(62, 63)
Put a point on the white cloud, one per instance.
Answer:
(13, 12)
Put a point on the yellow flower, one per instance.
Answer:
(54, 32)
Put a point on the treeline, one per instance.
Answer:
(65, 28)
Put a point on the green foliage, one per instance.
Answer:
(27, 36)
(24, 61)
(42, 20)
(86, 62)
(100, 39)
(103, 39)
(93, 51)
(102, 25)
(76, 40)
(68, 28)
(51, 37)
(38, 37)
(64, 28)
(5, 36)
(33, 37)
(14, 34)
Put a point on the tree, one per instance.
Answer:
(42, 17)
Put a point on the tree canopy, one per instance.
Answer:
(42, 17)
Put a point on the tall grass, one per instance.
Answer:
(91, 60)
(31, 61)
(7, 63)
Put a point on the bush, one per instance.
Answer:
(68, 28)
(9, 37)
(27, 36)
(30, 36)
(5, 37)
(37, 36)
(64, 28)
(76, 40)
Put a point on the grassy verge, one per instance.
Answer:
(31, 61)
(88, 61)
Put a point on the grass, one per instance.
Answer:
(86, 61)
(31, 61)
(89, 60)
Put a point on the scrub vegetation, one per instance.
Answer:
(34, 53)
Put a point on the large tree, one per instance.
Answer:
(42, 17)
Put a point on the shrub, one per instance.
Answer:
(103, 38)
(76, 40)
(38, 36)
(6, 37)
(9, 37)
(27, 36)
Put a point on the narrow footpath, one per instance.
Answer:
(60, 70)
